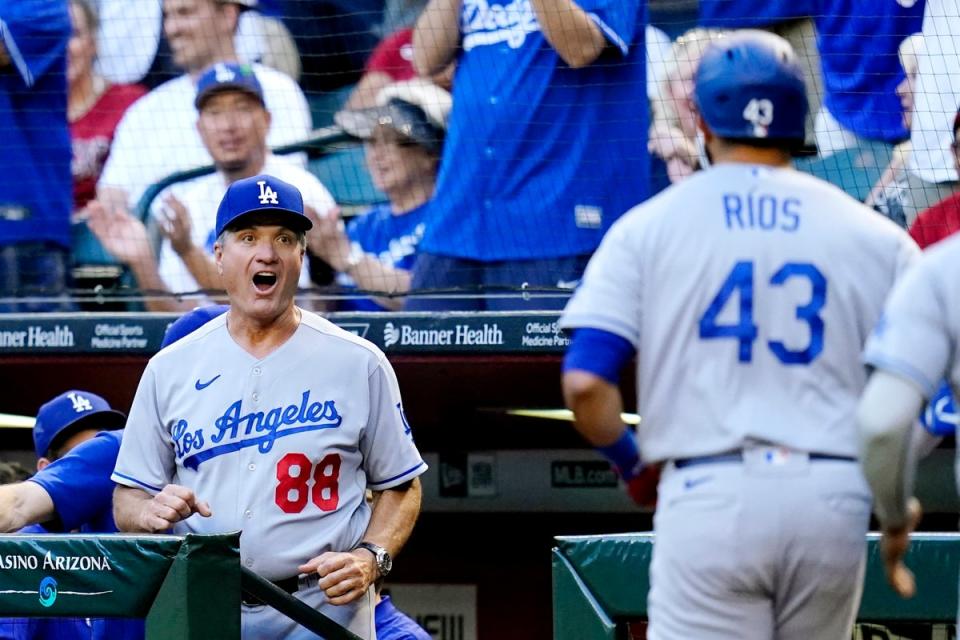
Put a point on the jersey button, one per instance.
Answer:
(256, 397)
(248, 514)
(248, 562)
(251, 466)
(256, 371)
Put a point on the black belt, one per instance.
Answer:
(290, 585)
(737, 456)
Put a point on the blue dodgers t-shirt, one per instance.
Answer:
(89, 465)
(540, 159)
(861, 66)
(36, 186)
(740, 14)
(393, 239)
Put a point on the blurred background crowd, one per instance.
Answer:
(453, 154)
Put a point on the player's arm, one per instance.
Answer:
(886, 415)
(570, 31)
(591, 376)
(346, 576)
(436, 36)
(137, 511)
(22, 504)
(4, 56)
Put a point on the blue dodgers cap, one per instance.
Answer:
(190, 322)
(262, 194)
(70, 412)
(227, 76)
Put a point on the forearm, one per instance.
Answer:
(436, 36)
(4, 57)
(886, 414)
(202, 267)
(570, 31)
(22, 504)
(372, 275)
(128, 506)
(395, 512)
(597, 406)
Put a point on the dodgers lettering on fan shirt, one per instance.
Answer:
(764, 314)
(539, 158)
(36, 191)
(392, 239)
(281, 447)
(861, 68)
(740, 14)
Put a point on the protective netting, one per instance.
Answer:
(466, 155)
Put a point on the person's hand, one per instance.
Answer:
(173, 504)
(175, 225)
(328, 238)
(121, 234)
(893, 546)
(344, 576)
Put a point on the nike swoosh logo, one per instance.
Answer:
(203, 385)
(690, 483)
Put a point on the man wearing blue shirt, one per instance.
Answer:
(546, 144)
(36, 187)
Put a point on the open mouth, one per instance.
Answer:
(264, 280)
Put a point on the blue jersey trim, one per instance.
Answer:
(600, 352)
(18, 60)
(904, 369)
(612, 36)
(142, 484)
(399, 475)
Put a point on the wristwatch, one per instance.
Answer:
(382, 556)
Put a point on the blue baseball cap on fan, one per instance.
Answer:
(262, 194)
(70, 412)
(227, 76)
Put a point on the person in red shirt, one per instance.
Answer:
(94, 106)
(943, 218)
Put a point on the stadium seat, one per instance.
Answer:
(323, 105)
(344, 173)
(854, 170)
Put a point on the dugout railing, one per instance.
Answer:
(187, 588)
(600, 584)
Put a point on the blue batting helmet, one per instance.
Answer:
(749, 86)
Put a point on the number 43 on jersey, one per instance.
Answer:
(741, 280)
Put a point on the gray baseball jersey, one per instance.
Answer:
(748, 293)
(918, 333)
(281, 447)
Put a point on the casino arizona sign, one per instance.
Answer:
(52, 562)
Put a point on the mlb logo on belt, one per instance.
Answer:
(777, 456)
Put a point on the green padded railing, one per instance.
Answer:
(599, 581)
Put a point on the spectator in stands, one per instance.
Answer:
(403, 139)
(13, 471)
(157, 136)
(890, 191)
(673, 134)
(931, 175)
(546, 145)
(791, 19)
(35, 184)
(942, 219)
(127, 37)
(233, 123)
(861, 72)
(94, 104)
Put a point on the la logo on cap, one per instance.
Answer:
(267, 195)
(224, 73)
(80, 404)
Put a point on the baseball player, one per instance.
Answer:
(911, 350)
(272, 420)
(71, 492)
(745, 293)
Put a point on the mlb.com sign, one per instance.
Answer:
(404, 335)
